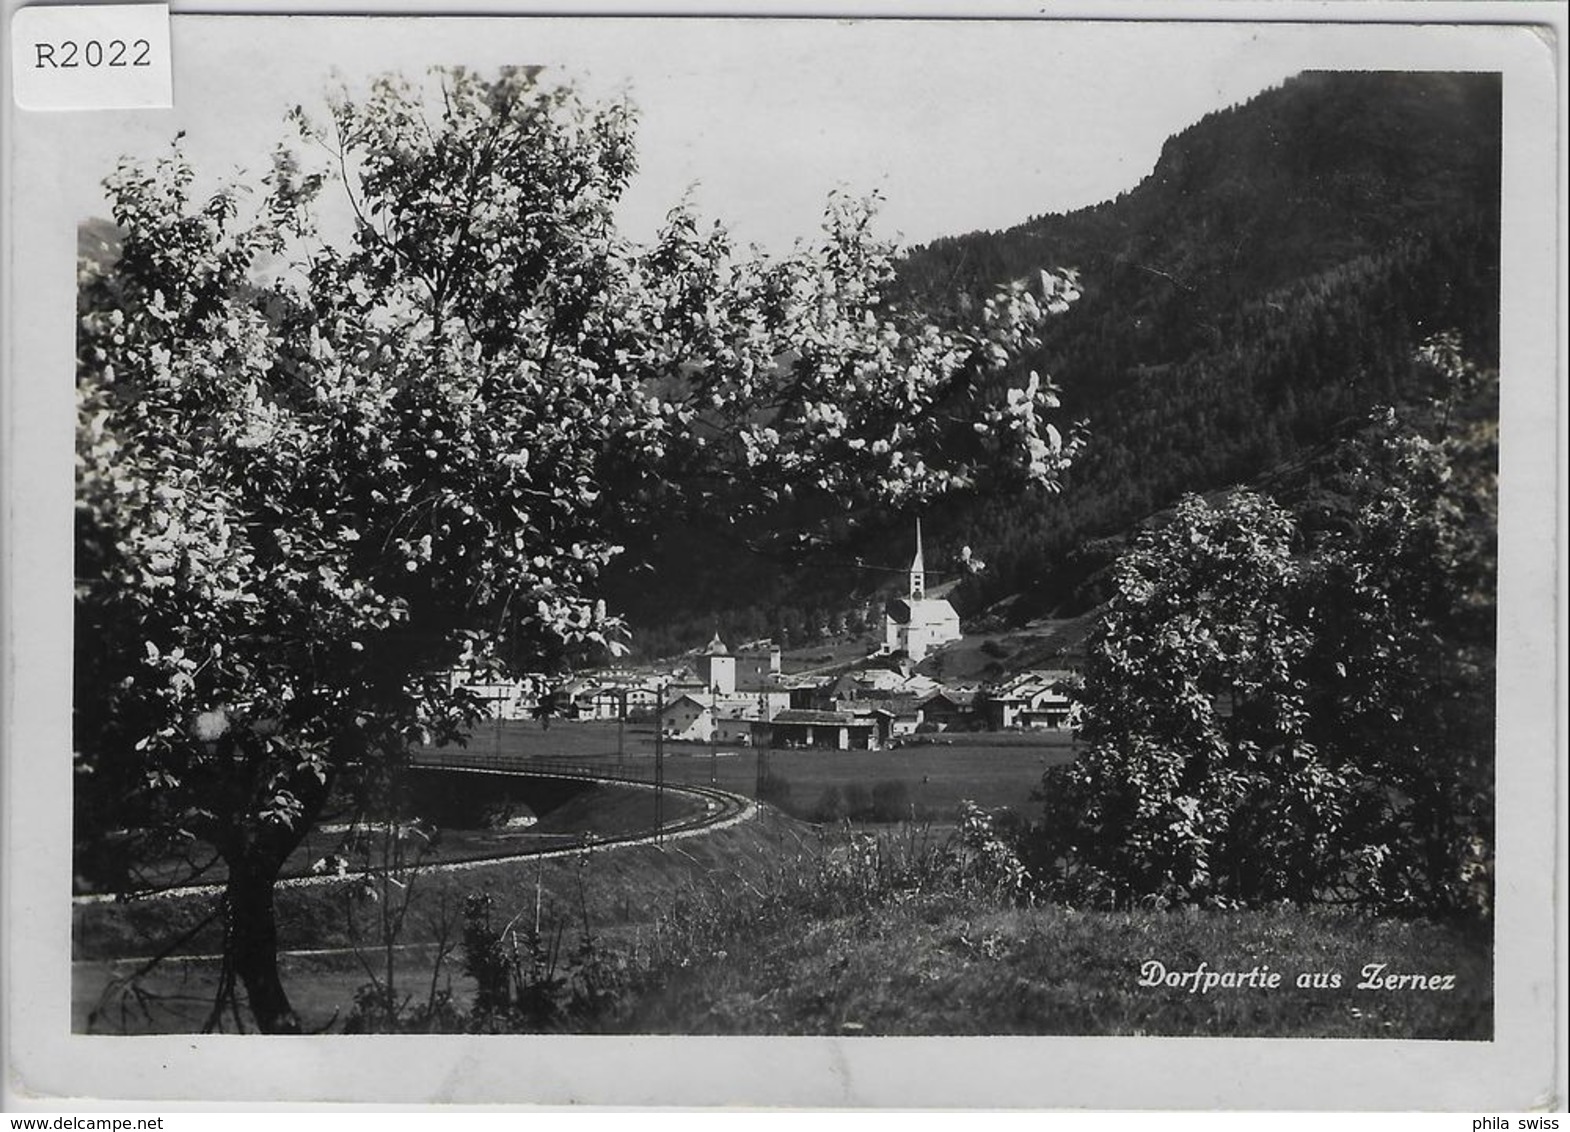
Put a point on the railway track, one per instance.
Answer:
(721, 809)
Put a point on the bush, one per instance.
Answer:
(830, 806)
(858, 802)
(1268, 720)
(375, 1011)
(891, 800)
(525, 980)
(987, 860)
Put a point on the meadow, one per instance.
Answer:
(776, 927)
(992, 769)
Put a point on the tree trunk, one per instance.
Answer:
(253, 942)
(255, 858)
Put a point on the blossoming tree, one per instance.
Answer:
(316, 474)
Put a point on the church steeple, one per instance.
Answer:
(918, 570)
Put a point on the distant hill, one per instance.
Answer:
(1248, 302)
(1263, 287)
(97, 242)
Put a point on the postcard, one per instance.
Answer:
(783, 561)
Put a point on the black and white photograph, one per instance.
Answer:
(678, 530)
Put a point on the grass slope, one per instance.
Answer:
(774, 927)
(946, 966)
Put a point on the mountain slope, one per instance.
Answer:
(1249, 301)
(1263, 288)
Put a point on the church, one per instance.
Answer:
(916, 623)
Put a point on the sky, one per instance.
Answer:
(960, 125)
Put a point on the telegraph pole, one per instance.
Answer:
(621, 727)
(764, 739)
(659, 767)
(714, 734)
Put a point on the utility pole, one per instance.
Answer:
(761, 742)
(659, 767)
(496, 731)
(621, 728)
(714, 734)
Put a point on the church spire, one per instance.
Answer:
(918, 570)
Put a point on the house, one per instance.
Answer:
(688, 718)
(504, 699)
(734, 727)
(833, 730)
(609, 694)
(882, 720)
(1040, 699)
(948, 709)
(916, 624)
(904, 712)
(698, 715)
(803, 692)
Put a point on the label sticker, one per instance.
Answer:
(92, 57)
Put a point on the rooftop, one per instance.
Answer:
(807, 715)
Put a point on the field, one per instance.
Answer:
(982, 656)
(993, 770)
(830, 654)
(773, 927)
(976, 657)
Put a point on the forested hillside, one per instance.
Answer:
(1247, 302)
(1253, 297)
(1267, 282)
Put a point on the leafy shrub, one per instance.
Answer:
(1270, 721)
(525, 981)
(1200, 784)
(375, 1011)
(986, 860)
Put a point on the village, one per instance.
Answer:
(743, 695)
